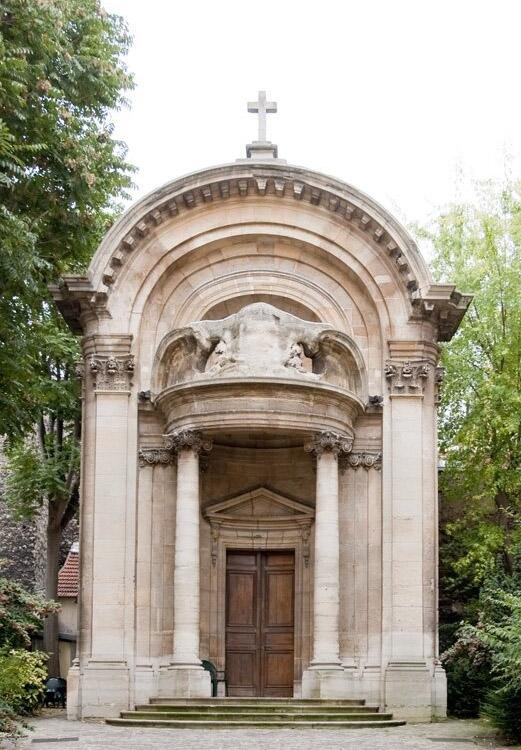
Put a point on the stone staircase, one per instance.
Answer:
(227, 713)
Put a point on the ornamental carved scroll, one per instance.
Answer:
(407, 378)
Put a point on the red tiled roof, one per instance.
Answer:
(68, 577)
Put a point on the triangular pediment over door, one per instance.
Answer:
(259, 507)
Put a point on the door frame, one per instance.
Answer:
(260, 595)
(290, 532)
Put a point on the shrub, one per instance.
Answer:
(468, 665)
(22, 679)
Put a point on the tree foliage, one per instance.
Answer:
(478, 247)
(21, 614)
(62, 175)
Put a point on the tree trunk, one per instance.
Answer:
(50, 625)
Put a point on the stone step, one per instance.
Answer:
(255, 707)
(255, 701)
(254, 716)
(227, 724)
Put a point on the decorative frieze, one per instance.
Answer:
(112, 373)
(187, 440)
(407, 377)
(361, 460)
(155, 457)
(329, 441)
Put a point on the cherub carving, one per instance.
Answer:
(294, 360)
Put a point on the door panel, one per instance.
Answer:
(278, 609)
(260, 623)
(242, 636)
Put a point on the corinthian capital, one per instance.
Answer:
(155, 457)
(111, 373)
(361, 460)
(329, 441)
(187, 440)
(406, 377)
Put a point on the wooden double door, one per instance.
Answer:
(260, 595)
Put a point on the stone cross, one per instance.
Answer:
(262, 108)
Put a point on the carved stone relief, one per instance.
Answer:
(406, 377)
(259, 341)
(111, 373)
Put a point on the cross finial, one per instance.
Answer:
(262, 108)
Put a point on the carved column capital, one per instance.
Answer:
(439, 374)
(110, 372)
(407, 378)
(187, 440)
(329, 441)
(155, 457)
(361, 459)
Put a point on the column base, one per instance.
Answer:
(105, 689)
(439, 692)
(73, 692)
(409, 691)
(184, 681)
(324, 681)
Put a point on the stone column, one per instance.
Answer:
(324, 677)
(185, 676)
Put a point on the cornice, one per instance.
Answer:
(78, 298)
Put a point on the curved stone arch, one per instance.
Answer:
(337, 200)
(232, 234)
(255, 193)
(266, 218)
(164, 272)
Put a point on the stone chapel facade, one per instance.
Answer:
(259, 467)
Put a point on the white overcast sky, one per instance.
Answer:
(397, 97)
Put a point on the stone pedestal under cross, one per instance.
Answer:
(262, 148)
